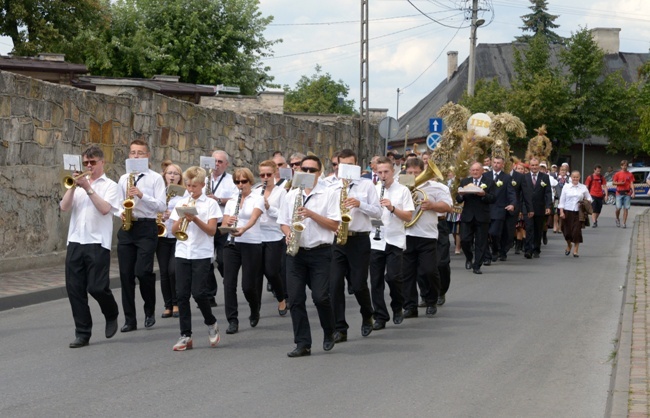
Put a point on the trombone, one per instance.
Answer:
(69, 181)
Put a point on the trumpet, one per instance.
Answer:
(181, 234)
(418, 195)
(128, 204)
(69, 181)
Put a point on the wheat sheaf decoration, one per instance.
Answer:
(504, 126)
(539, 146)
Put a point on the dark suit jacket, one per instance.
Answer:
(522, 192)
(541, 196)
(503, 196)
(477, 207)
(367, 176)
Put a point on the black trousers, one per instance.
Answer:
(310, 268)
(495, 232)
(351, 259)
(534, 227)
(420, 266)
(86, 272)
(508, 235)
(386, 267)
(444, 256)
(193, 280)
(135, 253)
(248, 257)
(167, 263)
(474, 234)
(273, 254)
(219, 244)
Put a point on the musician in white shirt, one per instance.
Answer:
(320, 213)
(353, 258)
(93, 201)
(136, 247)
(386, 252)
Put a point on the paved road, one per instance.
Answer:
(527, 338)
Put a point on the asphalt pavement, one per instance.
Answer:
(537, 338)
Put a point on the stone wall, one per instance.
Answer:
(271, 101)
(40, 121)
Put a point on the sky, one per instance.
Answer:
(408, 48)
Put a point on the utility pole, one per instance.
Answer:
(364, 131)
(471, 73)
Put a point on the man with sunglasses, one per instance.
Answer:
(92, 201)
(321, 215)
(332, 180)
(137, 246)
(222, 189)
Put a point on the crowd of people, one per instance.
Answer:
(323, 235)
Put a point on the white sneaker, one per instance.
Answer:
(183, 343)
(213, 334)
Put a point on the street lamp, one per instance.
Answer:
(471, 74)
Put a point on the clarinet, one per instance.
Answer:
(377, 236)
(231, 238)
(264, 187)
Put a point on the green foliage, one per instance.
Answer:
(318, 94)
(643, 109)
(37, 26)
(616, 114)
(540, 22)
(533, 60)
(202, 41)
(489, 96)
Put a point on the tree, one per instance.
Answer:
(643, 109)
(202, 41)
(489, 96)
(318, 94)
(37, 26)
(540, 22)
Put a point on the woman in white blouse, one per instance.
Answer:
(273, 241)
(572, 194)
(243, 249)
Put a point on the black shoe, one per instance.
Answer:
(167, 313)
(431, 310)
(79, 342)
(111, 328)
(129, 328)
(149, 321)
(477, 271)
(254, 321)
(299, 352)
(441, 300)
(544, 238)
(411, 313)
(233, 327)
(284, 311)
(468, 264)
(398, 317)
(528, 255)
(503, 258)
(379, 325)
(213, 303)
(487, 262)
(339, 337)
(366, 328)
(536, 255)
(328, 343)
(494, 258)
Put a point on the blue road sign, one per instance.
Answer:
(435, 125)
(433, 140)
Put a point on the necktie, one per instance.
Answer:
(495, 176)
(534, 179)
(476, 182)
(374, 178)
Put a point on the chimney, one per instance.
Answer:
(51, 57)
(452, 64)
(607, 39)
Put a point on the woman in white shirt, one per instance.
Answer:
(573, 194)
(274, 245)
(243, 249)
(167, 244)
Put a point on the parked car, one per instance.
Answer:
(641, 188)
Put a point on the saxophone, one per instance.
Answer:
(208, 184)
(296, 226)
(128, 204)
(181, 234)
(231, 238)
(377, 236)
(162, 229)
(342, 232)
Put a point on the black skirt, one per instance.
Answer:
(572, 227)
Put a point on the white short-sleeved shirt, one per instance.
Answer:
(322, 200)
(87, 224)
(427, 225)
(253, 201)
(199, 245)
(152, 186)
(572, 194)
(393, 230)
(363, 190)
(169, 222)
(223, 188)
(269, 227)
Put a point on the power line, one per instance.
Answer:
(430, 18)
(379, 19)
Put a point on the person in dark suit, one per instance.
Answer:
(504, 204)
(540, 207)
(522, 198)
(475, 218)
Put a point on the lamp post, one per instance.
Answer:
(471, 73)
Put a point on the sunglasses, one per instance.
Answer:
(219, 161)
(240, 181)
(282, 164)
(295, 164)
(265, 175)
(91, 162)
(335, 164)
(309, 169)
